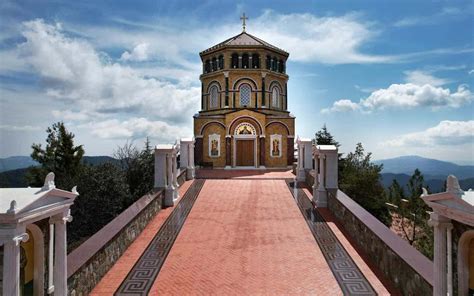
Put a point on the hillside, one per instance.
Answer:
(434, 185)
(16, 177)
(430, 168)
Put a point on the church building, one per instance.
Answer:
(244, 119)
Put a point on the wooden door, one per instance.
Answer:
(245, 153)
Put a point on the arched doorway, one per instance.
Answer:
(466, 263)
(32, 262)
(245, 145)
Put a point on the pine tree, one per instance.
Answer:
(360, 179)
(59, 156)
(324, 137)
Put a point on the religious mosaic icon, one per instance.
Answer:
(275, 145)
(214, 145)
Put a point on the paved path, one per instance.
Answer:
(243, 237)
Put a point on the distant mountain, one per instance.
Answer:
(434, 185)
(16, 162)
(19, 162)
(430, 168)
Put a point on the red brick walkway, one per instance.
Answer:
(243, 236)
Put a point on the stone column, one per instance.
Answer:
(174, 167)
(228, 157)
(262, 151)
(184, 154)
(190, 170)
(11, 264)
(316, 176)
(322, 198)
(308, 157)
(300, 174)
(440, 225)
(169, 189)
(60, 253)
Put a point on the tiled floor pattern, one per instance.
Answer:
(141, 277)
(245, 237)
(115, 276)
(351, 280)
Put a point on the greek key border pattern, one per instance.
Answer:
(347, 274)
(143, 274)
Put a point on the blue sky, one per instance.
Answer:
(396, 76)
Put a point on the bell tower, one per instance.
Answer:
(244, 80)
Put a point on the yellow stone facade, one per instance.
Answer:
(244, 99)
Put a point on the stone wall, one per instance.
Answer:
(406, 268)
(82, 280)
(89, 262)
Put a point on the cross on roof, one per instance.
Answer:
(243, 18)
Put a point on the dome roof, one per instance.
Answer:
(244, 39)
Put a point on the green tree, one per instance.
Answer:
(138, 167)
(103, 194)
(395, 192)
(412, 211)
(360, 179)
(60, 156)
(324, 137)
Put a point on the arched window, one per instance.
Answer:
(255, 61)
(235, 60)
(280, 66)
(245, 93)
(214, 97)
(269, 62)
(214, 64)
(245, 61)
(207, 66)
(275, 97)
(221, 62)
(274, 64)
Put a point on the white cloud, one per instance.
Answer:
(342, 106)
(407, 96)
(420, 77)
(137, 128)
(18, 128)
(329, 40)
(446, 13)
(309, 38)
(139, 53)
(446, 133)
(73, 70)
(471, 72)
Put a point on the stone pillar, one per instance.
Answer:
(60, 252)
(187, 157)
(169, 189)
(290, 151)
(300, 174)
(11, 264)
(164, 168)
(228, 158)
(316, 175)
(308, 157)
(331, 169)
(183, 154)
(174, 172)
(262, 151)
(440, 225)
(322, 197)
